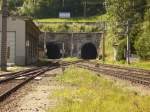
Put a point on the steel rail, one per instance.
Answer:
(20, 74)
(31, 76)
(126, 75)
(120, 67)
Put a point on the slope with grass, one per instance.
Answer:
(79, 19)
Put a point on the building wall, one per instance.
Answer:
(73, 42)
(11, 47)
(17, 25)
(32, 36)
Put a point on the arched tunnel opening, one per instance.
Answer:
(53, 51)
(89, 51)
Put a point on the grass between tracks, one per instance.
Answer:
(86, 92)
(137, 64)
(70, 59)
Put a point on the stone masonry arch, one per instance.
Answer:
(70, 44)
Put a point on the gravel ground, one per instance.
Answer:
(137, 88)
(15, 69)
(33, 97)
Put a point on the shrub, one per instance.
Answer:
(143, 46)
(68, 28)
(121, 50)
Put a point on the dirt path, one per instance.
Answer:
(34, 97)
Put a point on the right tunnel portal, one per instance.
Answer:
(89, 51)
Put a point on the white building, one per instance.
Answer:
(22, 40)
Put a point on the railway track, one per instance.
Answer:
(120, 67)
(11, 82)
(139, 76)
(65, 63)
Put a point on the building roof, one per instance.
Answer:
(18, 16)
(24, 18)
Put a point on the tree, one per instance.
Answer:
(51, 8)
(143, 43)
(122, 10)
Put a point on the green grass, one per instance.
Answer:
(86, 92)
(81, 19)
(141, 64)
(53, 27)
(138, 64)
(70, 59)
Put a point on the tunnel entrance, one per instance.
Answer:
(53, 51)
(89, 51)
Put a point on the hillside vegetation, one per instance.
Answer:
(51, 8)
(116, 13)
(96, 18)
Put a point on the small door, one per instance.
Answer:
(11, 47)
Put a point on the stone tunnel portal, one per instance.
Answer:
(80, 45)
(53, 51)
(89, 51)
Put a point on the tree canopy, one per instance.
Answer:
(51, 8)
(137, 12)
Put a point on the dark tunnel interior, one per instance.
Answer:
(89, 51)
(53, 51)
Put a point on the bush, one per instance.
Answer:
(121, 50)
(68, 28)
(62, 28)
(143, 46)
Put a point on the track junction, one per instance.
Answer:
(9, 83)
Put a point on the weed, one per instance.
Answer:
(92, 93)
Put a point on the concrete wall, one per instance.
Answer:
(17, 25)
(11, 47)
(73, 42)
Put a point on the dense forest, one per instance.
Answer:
(51, 8)
(136, 12)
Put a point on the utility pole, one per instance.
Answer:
(103, 37)
(4, 36)
(72, 45)
(85, 7)
(63, 3)
(63, 49)
(128, 43)
(103, 47)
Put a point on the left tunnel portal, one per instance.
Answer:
(53, 51)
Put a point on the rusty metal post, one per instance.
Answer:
(103, 37)
(4, 36)
(72, 44)
(103, 47)
(128, 43)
